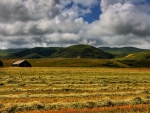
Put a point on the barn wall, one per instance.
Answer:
(25, 64)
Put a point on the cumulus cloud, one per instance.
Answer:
(30, 23)
(122, 23)
(126, 19)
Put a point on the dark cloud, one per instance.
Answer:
(29, 10)
(18, 42)
(13, 11)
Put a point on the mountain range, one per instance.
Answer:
(74, 51)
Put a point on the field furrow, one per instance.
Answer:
(24, 89)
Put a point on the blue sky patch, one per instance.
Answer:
(91, 17)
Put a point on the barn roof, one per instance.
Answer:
(18, 62)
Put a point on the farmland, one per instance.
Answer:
(74, 89)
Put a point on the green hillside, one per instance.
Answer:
(141, 59)
(38, 52)
(16, 50)
(80, 56)
(33, 56)
(5, 52)
(123, 51)
(138, 56)
(82, 51)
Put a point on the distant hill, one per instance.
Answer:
(38, 52)
(3, 54)
(140, 59)
(138, 56)
(6, 52)
(82, 51)
(75, 51)
(33, 56)
(123, 51)
(72, 56)
(10, 51)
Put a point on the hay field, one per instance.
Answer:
(74, 89)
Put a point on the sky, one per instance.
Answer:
(61, 23)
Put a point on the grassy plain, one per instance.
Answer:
(68, 62)
(74, 89)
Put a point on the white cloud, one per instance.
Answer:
(121, 23)
(32, 23)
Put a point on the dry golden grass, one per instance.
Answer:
(117, 109)
(64, 89)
